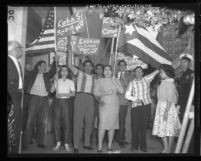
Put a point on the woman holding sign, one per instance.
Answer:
(65, 89)
(106, 89)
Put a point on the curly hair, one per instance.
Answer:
(168, 69)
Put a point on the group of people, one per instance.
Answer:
(99, 100)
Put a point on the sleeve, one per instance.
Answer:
(97, 88)
(128, 94)
(72, 87)
(151, 76)
(52, 71)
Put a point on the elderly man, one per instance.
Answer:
(15, 86)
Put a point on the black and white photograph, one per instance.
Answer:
(100, 79)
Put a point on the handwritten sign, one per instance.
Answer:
(85, 46)
(68, 25)
(132, 62)
(108, 27)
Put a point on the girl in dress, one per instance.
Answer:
(65, 89)
(166, 122)
(106, 89)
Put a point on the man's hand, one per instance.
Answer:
(138, 101)
(101, 103)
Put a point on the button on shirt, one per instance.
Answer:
(64, 87)
(140, 90)
(39, 86)
(18, 69)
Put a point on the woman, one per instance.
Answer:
(106, 89)
(138, 92)
(166, 122)
(65, 89)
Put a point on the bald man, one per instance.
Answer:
(15, 86)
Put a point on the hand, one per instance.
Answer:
(178, 109)
(138, 101)
(101, 103)
(165, 116)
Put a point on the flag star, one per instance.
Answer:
(129, 29)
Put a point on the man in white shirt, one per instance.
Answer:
(15, 86)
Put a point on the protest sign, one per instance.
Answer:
(108, 27)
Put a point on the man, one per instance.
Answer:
(99, 74)
(184, 84)
(83, 104)
(38, 87)
(15, 87)
(123, 77)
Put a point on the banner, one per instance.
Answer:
(108, 27)
(67, 25)
(85, 46)
(79, 9)
(132, 62)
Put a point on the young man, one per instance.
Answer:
(15, 87)
(83, 104)
(38, 86)
(123, 77)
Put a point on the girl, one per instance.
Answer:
(65, 89)
(166, 122)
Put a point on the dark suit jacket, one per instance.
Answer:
(13, 77)
(46, 76)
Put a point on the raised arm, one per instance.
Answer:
(151, 76)
(70, 64)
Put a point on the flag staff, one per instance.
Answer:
(111, 52)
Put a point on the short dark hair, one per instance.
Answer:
(120, 61)
(168, 69)
(138, 68)
(88, 61)
(59, 73)
(108, 66)
(99, 65)
(38, 64)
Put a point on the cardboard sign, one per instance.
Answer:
(66, 25)
(108, 27)
(85, 46)
(132, 62)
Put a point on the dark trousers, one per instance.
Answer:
(25, 109)
(38, 107)
(61, 119)
(14, 123)
(139, 118)
(71, 110)
(122, 119)
(83, 113)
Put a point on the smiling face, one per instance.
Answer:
(107, 72)
(185, 64)
(99, 70)
(122, 66)
(139, 73)
(42, 68)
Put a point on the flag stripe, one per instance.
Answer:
(46, 39)
(49, 31)
(137, 43)
(45, 42)
(36, 47)
(153, 47)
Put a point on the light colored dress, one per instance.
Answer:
(109, 112)
(170, 127)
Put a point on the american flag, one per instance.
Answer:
(46, 39)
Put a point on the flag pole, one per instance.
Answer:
(115, 60)
(111, 52)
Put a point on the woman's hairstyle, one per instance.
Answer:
(38, 64)
(59, 74)
(168, 69)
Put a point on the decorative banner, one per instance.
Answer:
(108, 27)
(85, 46)
(132, 63)
(67, 25)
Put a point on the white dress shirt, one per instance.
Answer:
(18, 69)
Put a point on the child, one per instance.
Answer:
(166, 122)
(65, 89)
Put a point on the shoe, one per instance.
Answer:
(109, 150)
(122, 144)
(57, 147)
(41, 146)
(67, 148)
(143, 149)
(99, 151)
(75, 151)
(88, 147)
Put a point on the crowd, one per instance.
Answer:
(83, 104)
